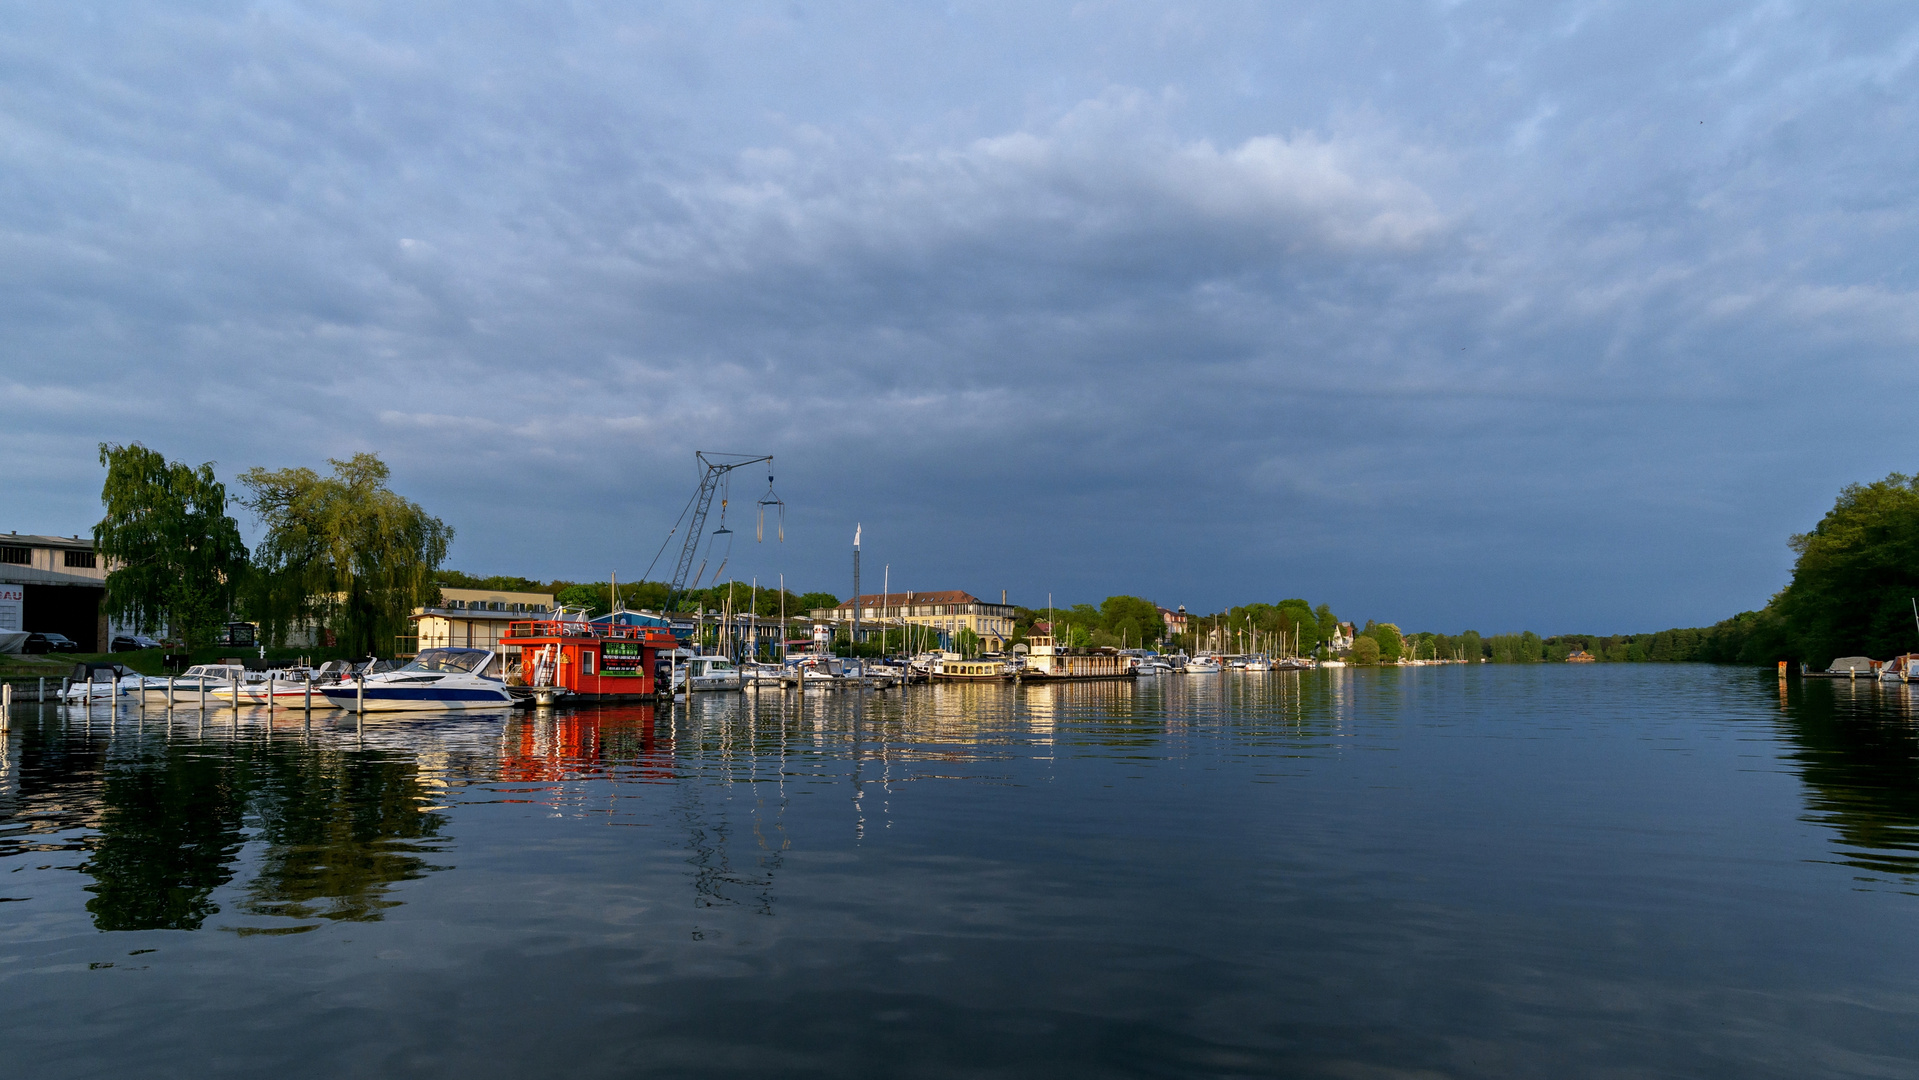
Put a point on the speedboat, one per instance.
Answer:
(706, 673)
(436, 679)
(187, 686)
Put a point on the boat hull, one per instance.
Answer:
(420, 698)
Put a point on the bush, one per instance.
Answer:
(1365, 650)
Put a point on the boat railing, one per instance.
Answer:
(544, 628)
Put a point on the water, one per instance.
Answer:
(1612, 870)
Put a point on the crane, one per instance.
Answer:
(714, 469)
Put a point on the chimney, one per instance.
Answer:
(1002, 597)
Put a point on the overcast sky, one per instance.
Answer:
(1558, 316)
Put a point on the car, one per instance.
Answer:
(133, 642)
(46, 643)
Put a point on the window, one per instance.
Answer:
(586, 661)
(19, 555)
(80, 558)
(455, 605)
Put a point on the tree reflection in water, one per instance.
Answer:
(165, 818)
(1858, 752)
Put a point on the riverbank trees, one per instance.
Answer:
(178, 562)
(341, 551)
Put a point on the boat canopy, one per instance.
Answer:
(450, 661)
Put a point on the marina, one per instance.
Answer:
(1493, 870)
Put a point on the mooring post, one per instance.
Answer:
(169, 693)
(360, 703)
(269, 697)
(40, 691)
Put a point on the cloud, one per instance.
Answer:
(1427, 319)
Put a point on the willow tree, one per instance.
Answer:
(175, 557)
(342, 552)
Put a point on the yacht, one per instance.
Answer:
(706, 673)
(186, 687)
(436, 679)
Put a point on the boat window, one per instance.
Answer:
(586, 661)
(449, 661)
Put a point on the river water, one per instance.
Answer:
(1607, 870)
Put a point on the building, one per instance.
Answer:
(1176, 621)
(472, 618)
(948, 612)
(1343, 638)
(54, 585)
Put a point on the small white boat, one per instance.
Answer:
(1203, 665)
(1332, 663)
(1258, 663)
(186, 686)
(706, 673)
(436, 679)
(754, 673)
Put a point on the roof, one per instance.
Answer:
(37, 540)
(902, 599)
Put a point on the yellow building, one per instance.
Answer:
(948, 612)
(475, 618)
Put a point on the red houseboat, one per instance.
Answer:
(601, 660)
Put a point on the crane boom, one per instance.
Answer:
(712, 472)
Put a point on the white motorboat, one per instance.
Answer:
(185, 688)
(436, 679)
(755, 673)
(1203, 665)
(706, 673)
(1258, 663)
(1332, 663)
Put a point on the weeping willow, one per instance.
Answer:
(341, 552)
(175, 558)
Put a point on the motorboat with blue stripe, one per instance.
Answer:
(437, 679)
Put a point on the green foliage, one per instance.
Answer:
(343, 551)
(1526, 648)
(966, 642)
(1391, 642)
(177, 557)
(1078, 637)
(1365, 650)
(1857, 571)
(815, 600)
(1134, 621)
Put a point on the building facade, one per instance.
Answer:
(949, 612)
(472, 618)
(54, 584)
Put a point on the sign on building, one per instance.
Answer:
(12, 599)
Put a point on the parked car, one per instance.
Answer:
(48, 643)
(132, 642)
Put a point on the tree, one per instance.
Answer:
(966, 642)
(814, 601)
(1131, 619)
(176, 556)
(1856, 573)
(343, 551)
(1391, 642)
(1365, 650)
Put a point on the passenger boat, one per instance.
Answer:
(446, 678)
(615, 657)
(1046, 661)
(957, 670)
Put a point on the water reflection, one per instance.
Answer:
(1857, 747)
(168, 809)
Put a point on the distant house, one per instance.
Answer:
(1176, 621)
(1343, 636)
(1581, 656)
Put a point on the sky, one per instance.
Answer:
(1500, 316)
